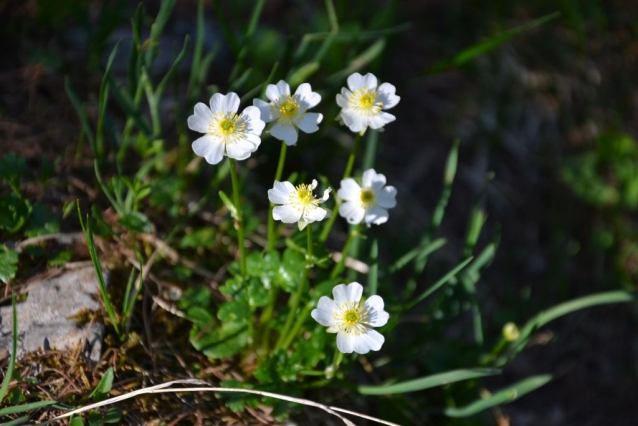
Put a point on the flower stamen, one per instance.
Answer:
(364, 100)
(230, 127)
(367, 197)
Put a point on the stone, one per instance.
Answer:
(48, 319)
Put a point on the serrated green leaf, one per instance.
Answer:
(291, 270)
(220, 341)
(14, 212)
(236, 311)
(428, 381)
(504, 396)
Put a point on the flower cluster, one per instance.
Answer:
(228, 132)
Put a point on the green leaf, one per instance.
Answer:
(112, 415)
(443, 280)
(236, 311)
(8, 375)
(14, 212)
(43, 221)
(199, 238)
(220, 341)
(504, 396)
(104, 387)
(483, 47)
(291, 270)
(8, 264)
(12, 168)
(16, 409)
(60, 259)
(136, 222)
(15, 422)
(229, 204)
(428, 381)
(257, 293)
(76, 421)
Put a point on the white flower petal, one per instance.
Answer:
(200, 119)
(210, 148)
(315, 215)
(373, 180)
(283, 88)
(352, 212)
(286, 214)
(272, 92)
(347, 293)
(381, 119)
(285, 133)
(326, 194)
(378, 317)
(370, 340)
(264, 110)
(370, 81)
(216, 102)
(342, 98)
(356, 81)
(230, 103)
(387, 95)
(345, 343)
(354, 121)
(307, 97)
(254, 140)
(240, 150)
(313, 184)
(350, 190)
(386, 197)
(324, 314)
(280, 193)
(310, 122)
(376, 215)
(254, 123)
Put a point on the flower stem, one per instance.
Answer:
(271, 219)
(239, 217)
(354, 233)
(336, 361)
(284, 340)
(353, 154)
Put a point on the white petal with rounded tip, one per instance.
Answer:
(254, 140)
(370, 340)
(324, 314)
(370, 81)
(345, 343)
(230, 103)
(387, 95)
(310, 122)
(379, 317)
(355, 122)
(386, 197)
(352, 212)
(326, 194)
(347, 293)
(308, 98)
(200, 119)
(376, 215)
(286, 214)
(272, 92)
(210, 148)
(264, 110)
(252, 115)
(373, 180)
(381, 119)
(355, 81)
(240, 150)
(315, 215)
(342, 98)
(280, 193)
(283, 88)
(288, 134)
(216, 102)
(313, 184)
(350, 190)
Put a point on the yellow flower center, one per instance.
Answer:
(289, 108)
(351, 318)
(367, 197)
(303, 198)
(365, 101)
(228, 126)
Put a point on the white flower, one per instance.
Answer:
(225, 131)
(298, 203)
(369, 201)
(351, 319)
(362, 105)
(290, 112)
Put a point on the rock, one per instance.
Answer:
(48, 318)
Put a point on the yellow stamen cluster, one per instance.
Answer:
(365, 101)
(303, 198)
(367, 197)
(289, 108)
(227, 126)
(351, 318)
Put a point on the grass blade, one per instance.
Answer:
(485, 46)
(160, 87)
(428, 381)
(102, 101)
(504, 396)
(14, 348)
(16, 409)
(373, 272)
(81, 112)
(424, 249)
(361, 61)
(443, 280)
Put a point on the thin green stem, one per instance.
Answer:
(271, 219)
(296, 297)
(301, 318)
(336, 361)
(354, 233)
(353, 154)
(239, 219)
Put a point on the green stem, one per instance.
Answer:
(353, 154)
(354, 232)
(301, 318)
(271, 219)
(336, 360)
(296, 298)
(239, 219)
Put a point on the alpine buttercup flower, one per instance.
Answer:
(290, 112)
(368, 201)
(298, 204)
(225, 131)
(351, 319)
(362, 104)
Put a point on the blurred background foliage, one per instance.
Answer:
(548, 162)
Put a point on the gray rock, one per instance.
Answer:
(46, 320)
